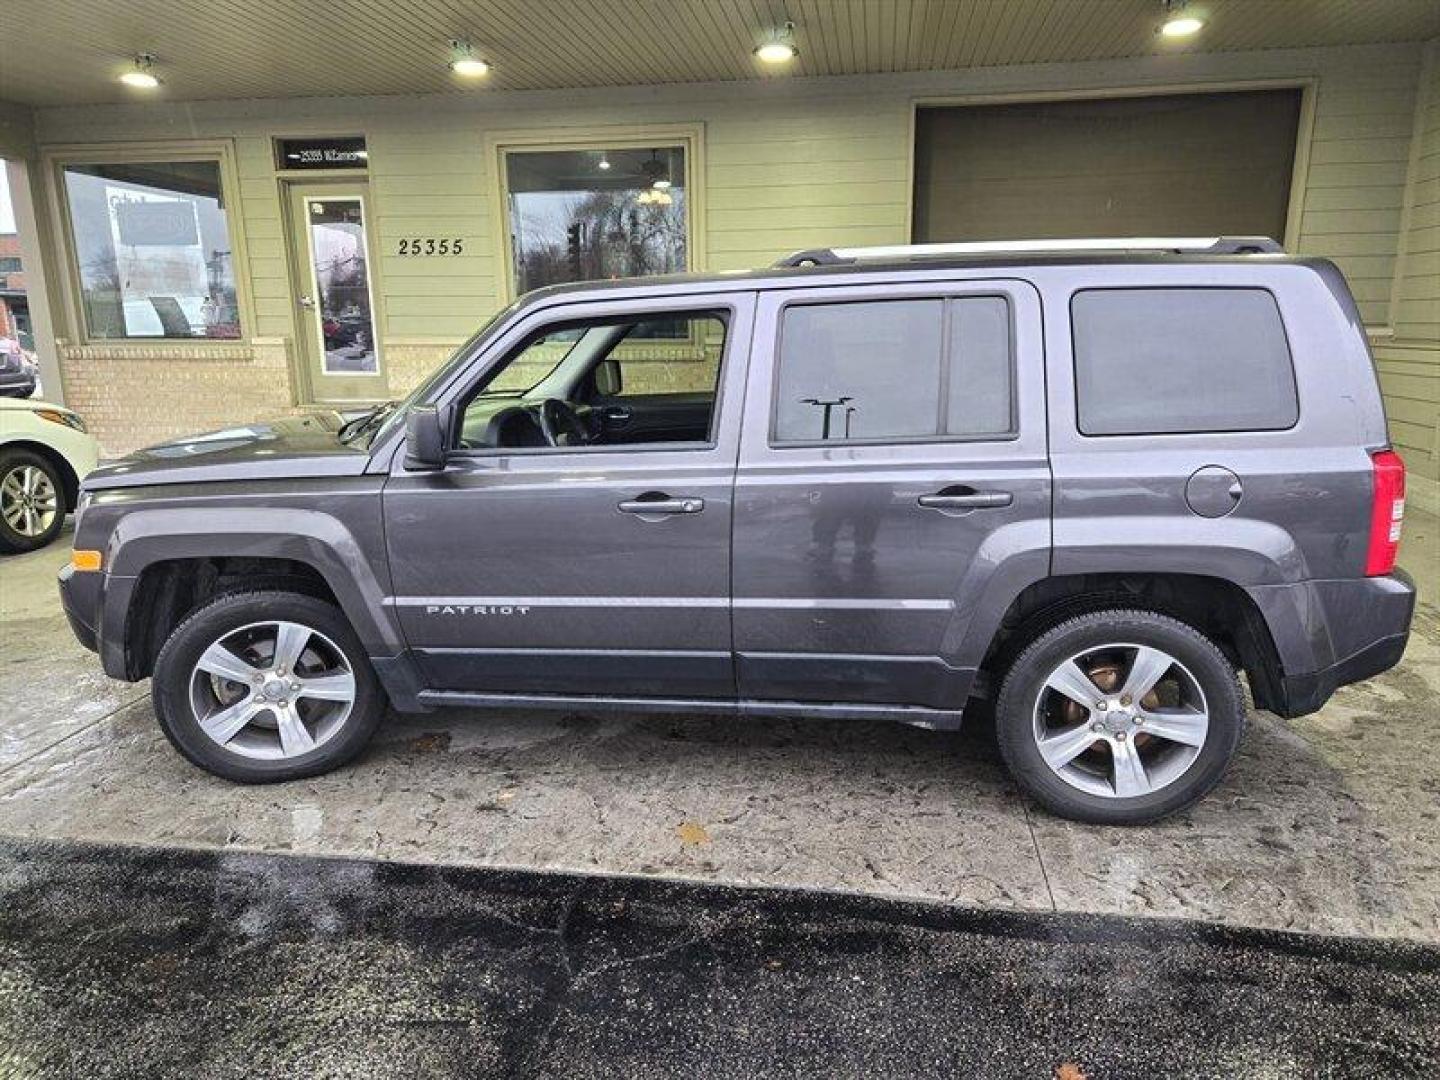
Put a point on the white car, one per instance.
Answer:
(44, 454)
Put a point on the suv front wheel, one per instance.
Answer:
(266, 686)
(1119, 717)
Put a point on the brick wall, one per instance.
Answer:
(136, 395)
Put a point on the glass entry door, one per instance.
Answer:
(335, 293)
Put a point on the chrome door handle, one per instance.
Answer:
(618, 414)
(971, 500)
(662, 506)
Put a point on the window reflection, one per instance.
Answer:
(153, 250)
(339, 262)
(586, 215)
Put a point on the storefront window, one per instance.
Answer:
(153, 250)
(584, 215)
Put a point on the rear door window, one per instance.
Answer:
(1183, 360)
(895, 371)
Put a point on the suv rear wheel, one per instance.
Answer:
(1119, 717)
(266, 686)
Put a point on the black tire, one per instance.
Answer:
(12, 541)
(1025, 680)
(171, 685)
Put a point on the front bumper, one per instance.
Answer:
(1373, 628)
(80, 610)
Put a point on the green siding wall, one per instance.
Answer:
(1409, 364)
(802, 163)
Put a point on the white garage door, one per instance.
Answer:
(1172, 165)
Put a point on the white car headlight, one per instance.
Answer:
(62, 416)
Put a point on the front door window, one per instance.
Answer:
(340, 269)
(596, 383)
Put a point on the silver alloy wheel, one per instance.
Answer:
(28, 500)
(1121, 720)
(272, 690)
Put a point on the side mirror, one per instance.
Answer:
(607, 378)
(424, 438)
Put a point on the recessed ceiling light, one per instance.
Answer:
(465, 63)
(1181, 26)
(779, 48)
(140, 76)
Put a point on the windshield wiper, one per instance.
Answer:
(354, 428)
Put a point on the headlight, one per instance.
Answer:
(61, 416)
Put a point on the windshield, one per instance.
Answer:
(533, 364)
(437, 378)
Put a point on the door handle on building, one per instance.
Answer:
(305, 301)
(959, 498)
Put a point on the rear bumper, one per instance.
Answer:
(1306, 694)
(16, 384)
(1372, 623)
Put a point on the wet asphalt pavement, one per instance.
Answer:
(124, 961)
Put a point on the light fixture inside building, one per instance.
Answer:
(604, 165)
(464, 62)
(1177, 23)
(657, 172)
(141, 76)
(779, 48)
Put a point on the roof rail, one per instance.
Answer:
(1200, 245)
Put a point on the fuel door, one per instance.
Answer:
(1213, 491)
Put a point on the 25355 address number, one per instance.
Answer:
(431, 245)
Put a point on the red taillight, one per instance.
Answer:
(1387, 511)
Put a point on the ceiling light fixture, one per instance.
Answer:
(140, 76)
(1182, 27)
(604, 165)
(779, 47)
(1177, 24)
(464, 62)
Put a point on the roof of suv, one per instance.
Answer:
(832, 262)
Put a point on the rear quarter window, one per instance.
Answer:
(1160, 361)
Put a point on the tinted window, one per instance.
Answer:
(979, 398)
(1167, 361)
(894, 370)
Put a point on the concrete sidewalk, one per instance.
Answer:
(1330, 823)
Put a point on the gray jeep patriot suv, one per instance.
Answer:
(1089, 482)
